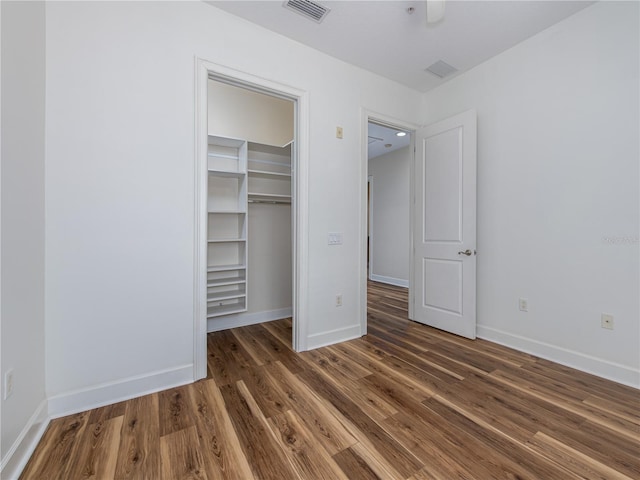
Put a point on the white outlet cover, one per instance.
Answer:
(523, 304)
(606, 321)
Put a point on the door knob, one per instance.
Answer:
(467, 252)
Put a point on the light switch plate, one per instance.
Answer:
(335, 238)
(523, 304)
(8, 383)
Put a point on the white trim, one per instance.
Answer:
(201, 135)
(243, 319)
(398, 282)
(366, 117)
(113, 392)
(300, 227)
(586, 363)
(18, 455)
(370, 216)
(300, 204)
(334, 336)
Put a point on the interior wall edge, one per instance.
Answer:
(22, 225)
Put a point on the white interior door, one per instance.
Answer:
(444, 228)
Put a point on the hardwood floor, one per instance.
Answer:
(404, 402)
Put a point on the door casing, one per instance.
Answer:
(300, 205)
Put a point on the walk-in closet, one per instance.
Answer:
(249, 197)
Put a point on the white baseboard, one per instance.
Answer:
(333, 336)
(398, 282)
(113, 392)
(243, 319)
(586, 363)
(18, 455)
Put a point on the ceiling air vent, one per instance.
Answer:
(312, 10)
(441, 69)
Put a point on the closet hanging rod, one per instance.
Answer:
(273, 202)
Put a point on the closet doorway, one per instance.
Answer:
(250, 187)
(249, 197)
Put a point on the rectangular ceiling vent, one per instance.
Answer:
(312, 10)
(441, 69)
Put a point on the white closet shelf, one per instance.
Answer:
(233, 212)
(225, 141)
(226, 309)
(217, 297)
(221, 282)
(264, 173)
(226, 233)
(225, 268)
(270, 196)
(226, 173)
(222, 155)
(226, 240)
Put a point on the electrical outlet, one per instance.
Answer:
(339, 300)
(606, 321)
(338, 132)
(523, 305)
(8, 383)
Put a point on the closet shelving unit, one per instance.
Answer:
(269, 174)
(240, 174)
(226, 226)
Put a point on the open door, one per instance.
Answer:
(444, 226)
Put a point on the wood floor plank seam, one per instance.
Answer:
(488, 426)
(568, 454)
(585, 412)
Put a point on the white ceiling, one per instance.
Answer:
(380, 137)
(380, 36)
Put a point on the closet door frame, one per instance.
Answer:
(300, 204)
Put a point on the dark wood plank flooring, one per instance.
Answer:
(404, 402)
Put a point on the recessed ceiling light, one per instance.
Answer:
(401, 134)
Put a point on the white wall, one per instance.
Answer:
(120, 185)
(390, 205)
(240, 113)
(23, 87)
(558, 189)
